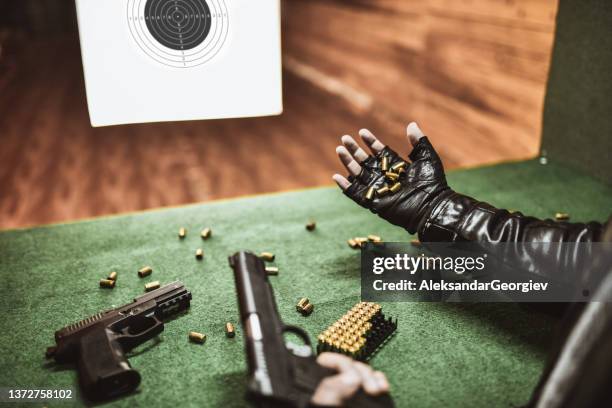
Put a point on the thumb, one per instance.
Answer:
(414, 133)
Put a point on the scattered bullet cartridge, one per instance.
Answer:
(370, 193)
(112, 276)
(206, 233)
(391, 176)
(182, 233)
(145, 271)
(229, 330)
(384, 165)
(272, 270)
(196, 337)
(382, 191)
(397, 166)
(267, 256)
(151, 286)
(361, 240)
(415, 242)
(311, 226)
(307, 310)
(395, 188)
(107, 283)
(560, 216)
(301, 303)
(374, 238)
(352, 243)
(199, 254)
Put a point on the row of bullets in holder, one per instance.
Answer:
(392, 175)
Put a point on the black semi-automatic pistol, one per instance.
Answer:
(280, 374)
(98, 343)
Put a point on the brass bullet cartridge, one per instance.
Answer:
(145, 271)
(301, 303)
(107, 283)
(391, 176)
(267, 256)
(382, 191)
(182, 233)
(360, 241)
(398, 165)
(370, 193)
(384, 165)
(307, 310)
(112, 276)
(272, 270)
(229, 330)
(415, 242)
(374, 238)
(311, 226)
(199, 253)
(151, 286)
(395, 188)
(206, 233)
(196, 337)
(352, 243)
(560, 216)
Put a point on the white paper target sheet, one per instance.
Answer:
(172, 60)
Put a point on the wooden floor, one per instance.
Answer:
(472, 73)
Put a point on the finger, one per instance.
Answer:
(414, 133)
(369, 381)
(371, 141)
(345, 157)
(342, 182)
(335, 361)
(353, 147)
(383, 383)
(334, 390)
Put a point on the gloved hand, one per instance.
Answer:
(421, 182)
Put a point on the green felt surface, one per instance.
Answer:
(472, 355)
(577, 126)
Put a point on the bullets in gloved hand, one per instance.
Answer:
(182, 233)
(369, 195)
(151, 286)
(560, 216)
(391, 176)
(107, 283)
(206, 233)
(145, 271)
(267, 256)
(397, 166)
(199, 254)
(112, 276)
(395, 188)
(311, 226)
(229, 330)
(382, 191)
(196, 337)
(272, 270)
(384, 165)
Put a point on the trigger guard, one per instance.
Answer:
(299, 332)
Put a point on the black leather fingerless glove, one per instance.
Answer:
(401, 192)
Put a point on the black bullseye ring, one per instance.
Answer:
(178, 24)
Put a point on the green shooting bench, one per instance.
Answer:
(472, 355)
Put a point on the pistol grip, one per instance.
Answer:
(104, 372)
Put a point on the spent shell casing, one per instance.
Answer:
(199, 253)
(206, 233)
(398, 165)
(107, 283)
(196, 337)
(384, 165)
(272, 270)
(306, 310)
(112, 276)
(561, 216)
(311, 226)
(145, 271)
(229, 330)
(182, 233)
(395, 188)
(370, 193)
(151, 286)
(374, 238)
(301, 303)
(382, 191)
(391, 175)
(267, 256)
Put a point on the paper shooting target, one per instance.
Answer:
(179, 33)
